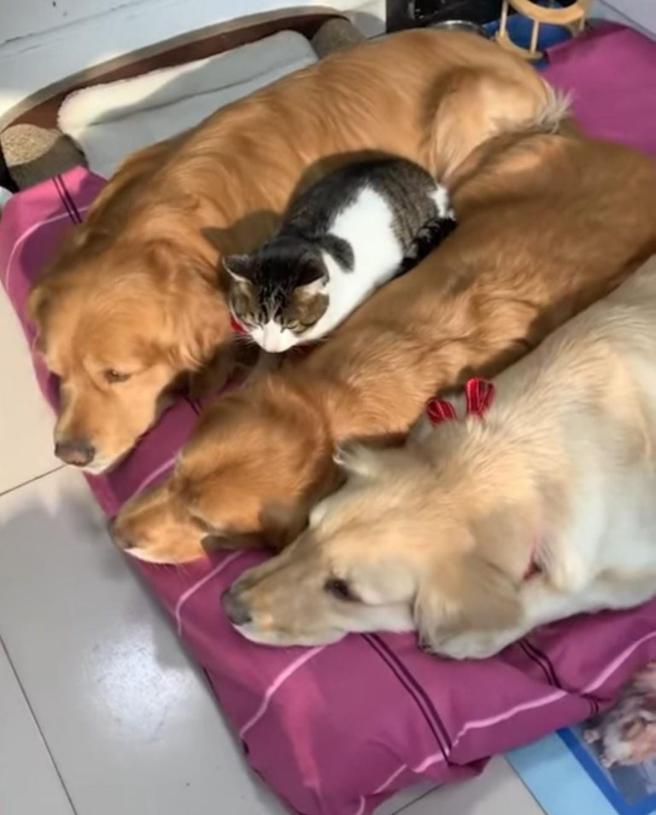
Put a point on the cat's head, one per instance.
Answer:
(278, 293)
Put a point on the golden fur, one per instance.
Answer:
(547, 225)
(136, 289)
(478, 530)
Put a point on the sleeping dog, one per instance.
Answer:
(520, 502)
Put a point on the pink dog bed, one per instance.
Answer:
(336, 730)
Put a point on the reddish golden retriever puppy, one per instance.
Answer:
(547, 225)
(131, 305)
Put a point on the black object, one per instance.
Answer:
(6, 180)
(412, 13)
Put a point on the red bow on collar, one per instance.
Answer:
(237, 327)
(479, 394)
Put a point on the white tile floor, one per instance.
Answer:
(101, 711)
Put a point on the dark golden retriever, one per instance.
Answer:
(132, 304)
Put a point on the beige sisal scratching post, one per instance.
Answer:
(336, 35)
(571, 17)
(35, 153)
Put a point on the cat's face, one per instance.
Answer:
(276, 297)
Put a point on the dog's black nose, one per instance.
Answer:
(235, 608)
(77, 452)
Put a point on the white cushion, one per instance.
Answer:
(111, 121)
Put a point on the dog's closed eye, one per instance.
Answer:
(340, 589)
(201, 524)
(114, 377)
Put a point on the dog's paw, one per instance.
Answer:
(481, 645)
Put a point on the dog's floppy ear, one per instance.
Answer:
(464, 593)
(37, 303)
(282, 524)
(196, 319)
(36, 309)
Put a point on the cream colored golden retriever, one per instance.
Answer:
(489, 523)
(547, 225)
(134, 301)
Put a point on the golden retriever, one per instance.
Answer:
(488, 524)
(134, 301)
(547, 225)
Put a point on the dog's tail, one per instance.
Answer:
(472, 106)
(555, 111)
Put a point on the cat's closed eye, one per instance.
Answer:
(304, 310)
(295, 326)
(245, 305)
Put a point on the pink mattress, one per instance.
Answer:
(335, 730)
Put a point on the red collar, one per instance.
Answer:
(479, 395)
(237, 327)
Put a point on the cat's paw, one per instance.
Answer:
(591, 736)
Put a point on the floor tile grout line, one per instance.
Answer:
(526, 787)
(406, 807)
(37, 724)
(32, 480)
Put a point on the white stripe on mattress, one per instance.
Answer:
(363, 801)
(436, 758)
(199, 585)
(154, 474)
(480, 724)
(617, 662)
(282, 677)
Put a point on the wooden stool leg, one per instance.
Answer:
(504, 17)
(534, 37)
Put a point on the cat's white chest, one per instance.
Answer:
(366, 225)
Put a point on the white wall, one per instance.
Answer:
(42, 41)
(22, 18)
(640, 14)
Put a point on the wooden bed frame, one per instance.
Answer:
(41, 108)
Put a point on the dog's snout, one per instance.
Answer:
(122, 540)
(235, 608)
(77, 452)
(124, 543)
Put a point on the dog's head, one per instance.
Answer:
(246, 477)
(397, 548)
(118, 323)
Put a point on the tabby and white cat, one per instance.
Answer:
(347, 235)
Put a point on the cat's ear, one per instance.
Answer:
(313, 278)
(318, 286)
(239, 267)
